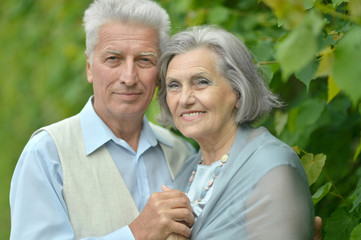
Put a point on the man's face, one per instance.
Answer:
(124, 70)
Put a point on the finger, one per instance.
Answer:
(318, 228)
(182, 215)
(181, 229)
(174, 236)
(170, 199)
(165, 188)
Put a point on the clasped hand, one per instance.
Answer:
(166, 214)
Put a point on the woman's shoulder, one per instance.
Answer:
(266, 150)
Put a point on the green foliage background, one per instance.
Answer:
(308, 51)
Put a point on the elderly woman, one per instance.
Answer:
(244, 183)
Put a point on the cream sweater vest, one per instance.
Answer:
(96, 196)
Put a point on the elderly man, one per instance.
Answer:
(97, 175)
(89, 176)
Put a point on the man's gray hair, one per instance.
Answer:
(234, 62)
(145, 12)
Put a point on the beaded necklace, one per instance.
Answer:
(217, 171)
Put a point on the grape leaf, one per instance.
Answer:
(300, 47)
(347, 70)
(340, 225)
(356, 233)
(313, 165)
(321, 192)
(333, 90)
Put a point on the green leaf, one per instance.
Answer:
(326, 62)
(313, 165)
(356, 233)
(333, 90)
(321, 192)
(355, 8)
(336, 3)
(347, 70)
(300, 47)
(309, 113)
(340, 225)
(358, 151)
(357, 200)
(309, 4)
(307, 74)
(280, 121)
(218, 15)
(266, 72)
(295, 51)
(290, 13)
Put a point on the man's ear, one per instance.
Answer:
(89, 73)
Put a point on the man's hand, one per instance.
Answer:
(317, 235)
(165, 213)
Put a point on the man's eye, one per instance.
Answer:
(112, 58)
(146, 62)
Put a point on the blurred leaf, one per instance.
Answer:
(321, 192)
(357, 200)
(195, 17)
(297, 149)
(307, 74)
(305, 115)
(333, 90)
(358, 151)
(300, 46)
(336, 3)
(326, 62)
(355, 8)
(218, 15)
(266, 72)
(356, 233)
(347, 70)
(280, 121)
(313, 165)
(309, 4)
(339, 225)
(295, 51)
(289, 12)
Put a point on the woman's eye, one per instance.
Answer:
(202, 82)
(172, 86)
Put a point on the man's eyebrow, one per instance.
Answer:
(140, 54)
(113, 51)
(149, 54)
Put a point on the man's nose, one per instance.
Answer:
(128, 74)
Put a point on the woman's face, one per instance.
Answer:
(201, 100)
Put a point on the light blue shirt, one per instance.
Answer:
(38, 209)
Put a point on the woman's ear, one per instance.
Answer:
(238, 100)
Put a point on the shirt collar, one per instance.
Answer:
(95, 137)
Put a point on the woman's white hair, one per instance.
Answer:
(145, 12)
(234, 62)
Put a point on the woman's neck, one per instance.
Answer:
(213, 148)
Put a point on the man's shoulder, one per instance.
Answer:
(58, 126)
(171, 138)
(167, 134)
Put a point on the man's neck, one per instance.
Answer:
(128, 129)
